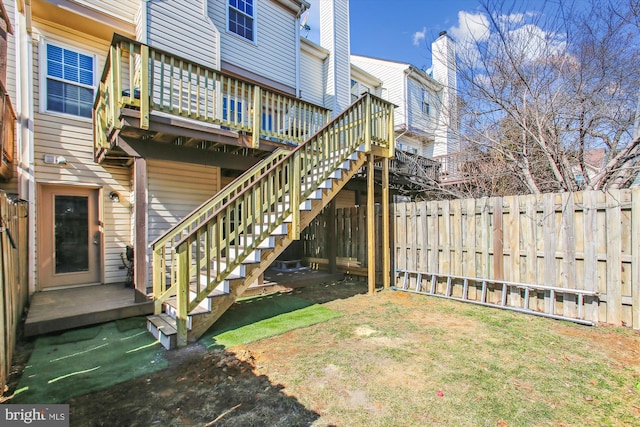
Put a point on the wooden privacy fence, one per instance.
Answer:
(348, 241)
(588, 240)
(13, 277)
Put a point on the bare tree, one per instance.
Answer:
(542, 88)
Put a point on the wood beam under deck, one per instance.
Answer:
(183, 139)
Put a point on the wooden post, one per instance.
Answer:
(371, 224)
(331, 237)
(144, 87)
(182, 296)
(140, 232)
(386, 261)
(294, 196)
(257, 116)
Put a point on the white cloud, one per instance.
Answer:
(418, 36)
(472, 29)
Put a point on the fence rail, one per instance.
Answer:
(13, 277)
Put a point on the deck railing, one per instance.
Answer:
(7, 134)
(213, 248)
(142, 77)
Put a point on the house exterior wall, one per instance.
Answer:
(334, 36)
(393, 80)
(72, 138)
(124, 10)
(417, 117)
(174, 190)
(275, 44)
(312, 72)
(181, 27)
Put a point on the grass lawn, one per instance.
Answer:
(390, 359)
(403, 359)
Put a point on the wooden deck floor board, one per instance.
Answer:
(61, 309)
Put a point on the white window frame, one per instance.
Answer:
(254, 17)
(43, 76)
(425, 105)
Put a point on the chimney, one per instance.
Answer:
(444, 68)
(334, 36)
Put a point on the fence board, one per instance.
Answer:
(635, 257)
(568, 268)
(588, 240)
(13, 278)
(614, 247)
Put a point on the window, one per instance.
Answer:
(69, 81)
(242, 18)
(424, 106)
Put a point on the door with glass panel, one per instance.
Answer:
(69, 237)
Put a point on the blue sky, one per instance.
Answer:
(400, 30)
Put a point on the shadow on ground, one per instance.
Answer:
(200, 388)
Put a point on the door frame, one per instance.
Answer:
(45, 225)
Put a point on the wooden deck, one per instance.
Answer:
(63, 309)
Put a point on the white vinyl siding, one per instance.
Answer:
(182, 28)
(418, 119)
(334, 36)
(72, 138)
(312, 77)
(11, 53)
(174, 190)
(273, 54)
(393, 77)
(124, 10)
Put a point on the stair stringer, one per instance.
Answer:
(203, 321)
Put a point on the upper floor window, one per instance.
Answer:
(425, 106)
(69, 81)
(242, 18)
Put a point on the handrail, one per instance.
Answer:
(164, 245)
(7, 135)
(213, 248)
(149, 79)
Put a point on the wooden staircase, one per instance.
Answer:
(205, 262)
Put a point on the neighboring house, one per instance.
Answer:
(426, 121)
(132, 113)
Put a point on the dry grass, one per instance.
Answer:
(401, 359)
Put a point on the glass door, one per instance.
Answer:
(69, 236)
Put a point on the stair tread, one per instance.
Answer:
(164, 323)
(198, 310)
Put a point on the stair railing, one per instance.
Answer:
(216, 247)
(164, 249)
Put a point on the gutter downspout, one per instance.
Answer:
(23, 45)
(298, 15)
(406, 99)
